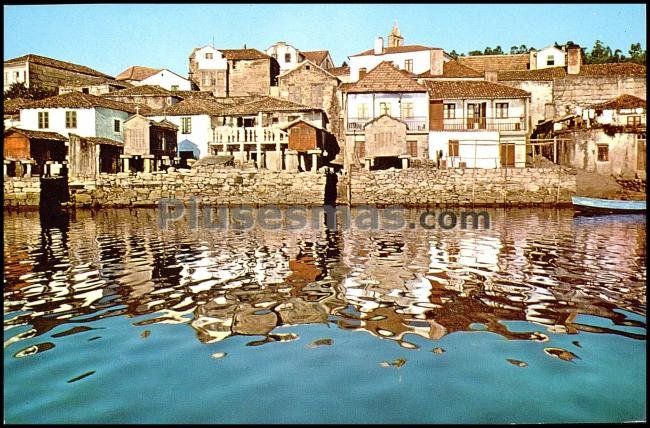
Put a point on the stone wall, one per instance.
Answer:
(572, 91)
(480, 187)
(249, 77)
(22, 191)
(209, 185)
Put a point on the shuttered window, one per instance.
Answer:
(43, 119)
(70, 119)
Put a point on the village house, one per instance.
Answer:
(93, 125)
(27, 152)
(477, 124)
(44, 72)
(196, 119)
(233, 72)
(149, 145)
(11, 111)
(310, 85)
(386, 118)
(414, 59)
(288, 56)
(153, 97)
(93, 85)
(167, 79)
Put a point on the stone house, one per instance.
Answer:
(233, 72)
(148, 143)
(167, 79)
(310, 85)
(477, 124)
(391, 92)
(288, 56)
(93, 85)
(153, 97)
(44, 72)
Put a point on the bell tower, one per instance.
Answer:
(395, 38)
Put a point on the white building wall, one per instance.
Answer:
(16, 74)
(279, 50)
(478, 149)
(85, 121)
(420, 104)
(218, 62)
(201, 135)
(166, 79)
(421, 62)
(543, 55)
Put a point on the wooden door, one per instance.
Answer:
(507, 154)
(436, 115)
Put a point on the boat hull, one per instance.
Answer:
(606, 206)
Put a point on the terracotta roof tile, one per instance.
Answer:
(441, 89)
(396, 49)
(38, 135)
(164, 123)
(91, 80)
(80, 100)
(102, 140)
(142, 90)
(453, 69)
(243, 54)
(63, 65)
(265, 105)
(624, 101)
(541, 74)
(137, 72)
(13, 106)
(385, 77)
(484, 63)
(194, 94)
(340, 71)
(596, 70)
(317, 57)
(190, 106)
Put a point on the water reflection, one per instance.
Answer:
(542, 266)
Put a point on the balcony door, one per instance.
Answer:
(476, 115)
(436, 115)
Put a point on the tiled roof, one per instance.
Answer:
(193, 94)
(142, 90)
(317, 57)
(265, 105)
(190, 106)
(621, 102)
(396, 49)
(13, 106)
(484, 63)
(243, 54)
(308, 62)
(238, 100)
(91, 80)
(165, 124)
(596, 70)
(444, 89)
(453, 69)
(340, 71)
(102, 140)
(63, 65)
(385, 77)
(38, 135)
(137, 72)
(80, 100)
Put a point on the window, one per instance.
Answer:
(550, 60)
(70, 119)
(408, 65)
(449, 111)
(208, 55)
(174, 87)
(634, 120)
(407, 110)
(85, 90)
(603, 152)
(17, 75)
(316, 95)
(207, 77)
(384, 108)
(43, 119)
(287, 57)
(186, 125)
(116, 125)
(308, 67)
(454, 147)
(501, 110)
(362, 111)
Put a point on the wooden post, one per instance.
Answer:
(555, 150)
(259, 154)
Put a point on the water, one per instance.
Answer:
(108, 318)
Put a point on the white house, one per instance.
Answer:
(138, 75)
(477, 124)
(286, 55)
(550, 56)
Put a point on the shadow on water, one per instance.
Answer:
(331, 182)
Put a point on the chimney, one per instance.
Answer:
(379, 46)
(362, 72)
(490, 76)
(574, 59)
(437, 62)
(532, 55)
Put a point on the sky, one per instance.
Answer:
(113, 37)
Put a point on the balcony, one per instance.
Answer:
(225, 137)
(415, 123)
(480, 124)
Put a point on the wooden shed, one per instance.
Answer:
(40, 146)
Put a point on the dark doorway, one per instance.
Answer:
(386, 162)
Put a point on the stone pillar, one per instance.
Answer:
(28, 167)
(291, 160)
(147, 162)
(48, 167)
(165, 160)
(177, 160)
(5, 164)
(314, 158)
(366, 163)
(125, 163)
(405, 161)
(301, 160)
(259, 156)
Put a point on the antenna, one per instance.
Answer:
(212, 40)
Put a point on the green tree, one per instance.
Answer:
(454, 54)
(599, 54)
(636, 54)
(475, 53)
(18, 90)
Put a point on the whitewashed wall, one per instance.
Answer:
(280, 49)
(166, 79)
(10, 75)
(85, 121)
(420, 104)
(218, 62)
(421, 62)
(550, 51)
(201, 134)
(478, 149)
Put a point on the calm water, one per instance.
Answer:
(108, 318)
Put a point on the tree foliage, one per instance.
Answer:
(18, 90)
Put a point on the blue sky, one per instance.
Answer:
(110, 38)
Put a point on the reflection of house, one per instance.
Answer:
(38, 146)
(138, 75)
(232, 72)
(37, 70)
(402, 104)
(477, 123)
(153, 97)
(150, 142)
